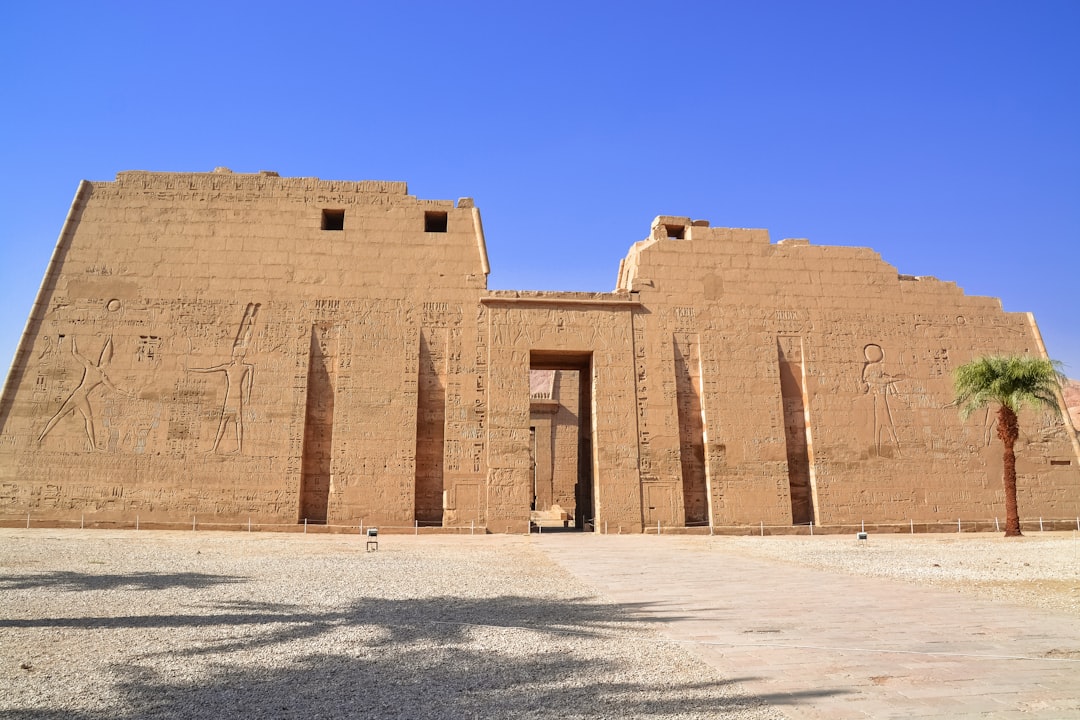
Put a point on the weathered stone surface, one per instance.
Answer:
(228, 346)
(1072, 401)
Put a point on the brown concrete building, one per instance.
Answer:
(231, 346)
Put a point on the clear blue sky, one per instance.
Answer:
(945, 135)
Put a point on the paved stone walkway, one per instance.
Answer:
(821, 645)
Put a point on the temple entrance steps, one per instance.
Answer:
(554, 517)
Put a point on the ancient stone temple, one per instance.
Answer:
(229, 347)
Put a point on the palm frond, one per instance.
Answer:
(1011, 381)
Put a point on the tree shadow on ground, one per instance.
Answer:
(420, 683)
(77, 582)
(441, 657)
(441, 618)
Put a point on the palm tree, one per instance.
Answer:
(1010, 383)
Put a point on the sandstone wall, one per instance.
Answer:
(225, 347)
(246, 345)
(828, 376)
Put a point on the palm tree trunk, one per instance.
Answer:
(1008, 432)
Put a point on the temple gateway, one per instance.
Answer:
(237, 348)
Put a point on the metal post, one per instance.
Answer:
(657, 527)
(863, 526)
(762, 528)
(416, 527)
(249, 523)
(82, 522)
(958, 528)
(811, 529)
(136, 522)
(1040, 525)
(192, 523)
(996, 526)
(305, 526)
(912, 526)
(472, 527)
(27, 521)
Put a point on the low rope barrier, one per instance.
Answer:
(958, 526)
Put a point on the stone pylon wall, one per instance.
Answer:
(232, 346)
(827, 374)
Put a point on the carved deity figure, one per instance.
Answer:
(79, 399)
(879, 384)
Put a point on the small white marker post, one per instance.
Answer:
(305, 526)
(912, 522)
(958, 528)
(996, 526)
(27, 521)
(1040, 525)
(136, 522)
(192, 523)
(249, 523)
(762, 528)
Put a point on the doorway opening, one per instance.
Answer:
(560, 425)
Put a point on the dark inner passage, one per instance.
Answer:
(561, 440)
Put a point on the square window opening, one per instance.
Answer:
(333, 219)
(435, 221)
(675, 232)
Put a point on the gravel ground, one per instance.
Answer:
(1040, 570)
(126, 624)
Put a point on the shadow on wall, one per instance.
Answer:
(443, 657)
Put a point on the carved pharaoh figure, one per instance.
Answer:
(79, 399)
(238, 380)
(239, 377)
